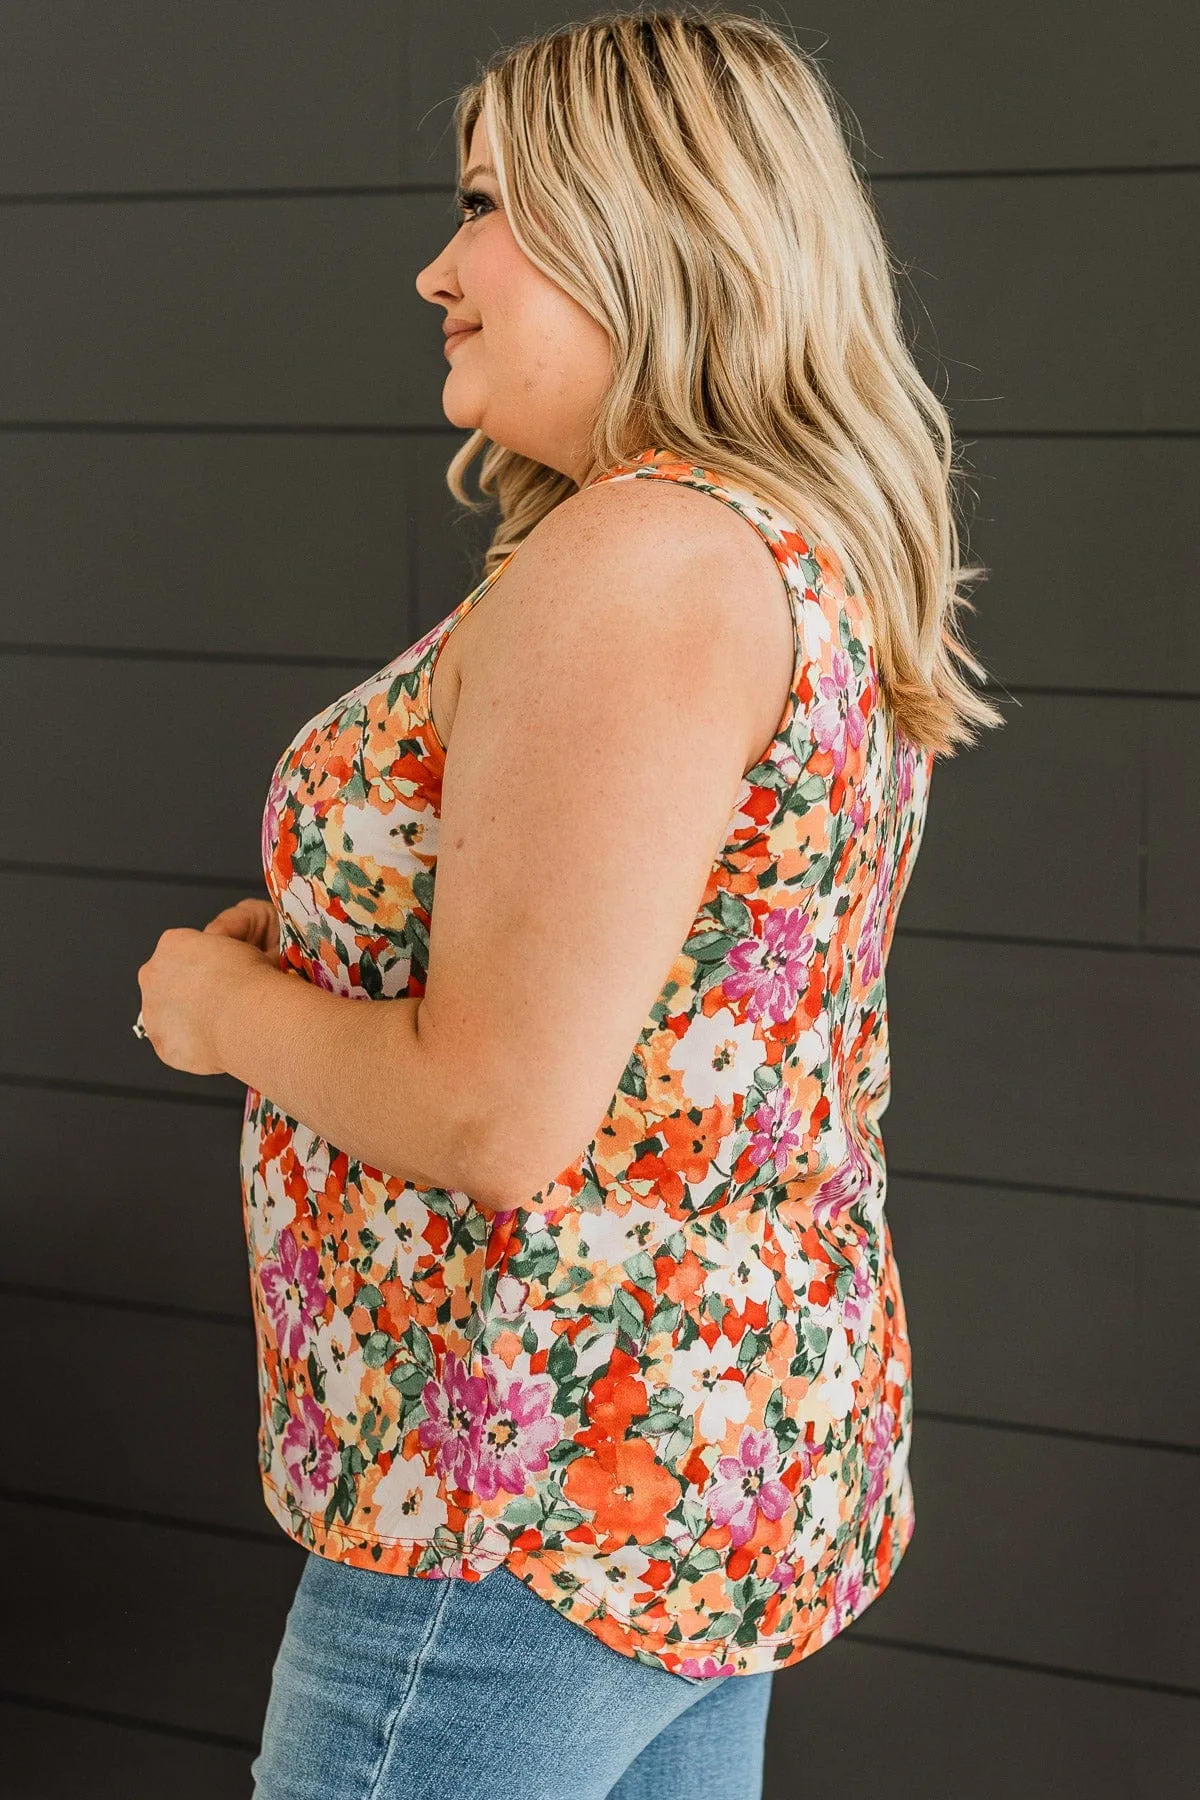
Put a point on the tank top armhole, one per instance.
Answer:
(429, 661)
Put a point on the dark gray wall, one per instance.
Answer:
(221, 500)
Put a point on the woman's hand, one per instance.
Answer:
(254, 921)
(193, 975)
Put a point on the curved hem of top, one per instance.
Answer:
(521, 1562)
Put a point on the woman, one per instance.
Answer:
(629, 1400)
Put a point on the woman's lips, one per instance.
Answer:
(456, 337)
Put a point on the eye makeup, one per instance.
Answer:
(465, 199)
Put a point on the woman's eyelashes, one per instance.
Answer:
(465, 200)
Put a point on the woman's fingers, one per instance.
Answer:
(252, 920)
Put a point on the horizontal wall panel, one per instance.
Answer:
(936, 1727)
(1014, 1062)
(72, 947)
(49, 1755)
(1032, 322)
(1053, 1310)
(1063, 86)
(1092, 579)
(146, 1621)
(164, 1411)
(1077, 1555)
(118, 98)
(1033, 831)
(1172, 786)
(304, 311)
(188, 752)
(277, 544)
(289, 311)
(123, 1198)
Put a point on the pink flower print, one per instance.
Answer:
(870, 958)
(457, 1407)
(783, 1573)
(906, 757)
(879, 1449)
(776, 1132)
(748, 1485)
(837, 723)
(856, 1307)
(772, 970)
(309, 1455)
(516, 1435)
(842, 1188)
(706, 1668)
(292, 1289)
(270, 819)
(847, 1590)
(319, 975)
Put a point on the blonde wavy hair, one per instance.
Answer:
(683, 175)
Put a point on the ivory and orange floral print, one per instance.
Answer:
(674, 1396)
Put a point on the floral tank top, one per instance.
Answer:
(673, 1396)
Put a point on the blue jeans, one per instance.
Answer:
(401, 1687)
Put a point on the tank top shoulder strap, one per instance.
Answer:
(786, 538)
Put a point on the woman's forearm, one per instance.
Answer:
(356, 1072)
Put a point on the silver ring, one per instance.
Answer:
(139, 1029)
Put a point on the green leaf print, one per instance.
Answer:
(409, 1378)
(666, 1316)
(628, 1315)
(804, 794)
(378, 1347)
(733, 913)
(309, 855)
(562, 1518)
(786, 1433)
(408, 682)
(417, 1343)
(538, 1257)
(525, 1509)
(565, 1451)
(656, 1421)
(633, 1083)
(641, 1271)
(710, 947)
(659, 1549)
(700, 1561)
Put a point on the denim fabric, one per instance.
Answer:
(398, 1687)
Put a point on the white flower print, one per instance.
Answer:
(712, 1386)
(408, 1501)
(716, 1058)
(342, 1361)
